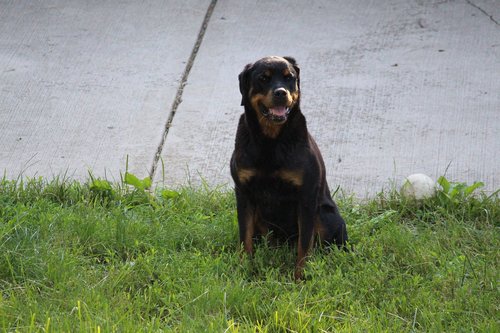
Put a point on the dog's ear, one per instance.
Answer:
(290, 60)
(293, 62)
(244, 78)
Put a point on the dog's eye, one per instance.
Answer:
(264, 78)
(289, 77)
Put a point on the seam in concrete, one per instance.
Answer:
(182, 84)
(482, 11)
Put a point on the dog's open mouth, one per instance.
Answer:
(278, 114)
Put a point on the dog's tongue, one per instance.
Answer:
(278, 110)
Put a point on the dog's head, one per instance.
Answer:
(271, 87)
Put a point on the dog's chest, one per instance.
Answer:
(276, 196)
(275, 178)
(271, 185)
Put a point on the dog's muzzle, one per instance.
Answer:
(277, 114)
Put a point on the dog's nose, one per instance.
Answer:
(280, 92)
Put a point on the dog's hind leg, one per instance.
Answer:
(332, 228)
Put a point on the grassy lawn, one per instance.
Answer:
(100, 258)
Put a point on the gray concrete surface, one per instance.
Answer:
(83, 84)
(390, 87)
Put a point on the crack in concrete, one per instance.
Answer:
(482, 11)
(182, 84)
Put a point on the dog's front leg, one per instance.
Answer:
(306, 237)
(246, 221)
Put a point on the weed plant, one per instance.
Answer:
(100, 257)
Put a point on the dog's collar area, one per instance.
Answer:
(277, 114)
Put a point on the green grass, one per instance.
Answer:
(100, 258)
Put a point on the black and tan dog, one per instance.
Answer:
(277, 168)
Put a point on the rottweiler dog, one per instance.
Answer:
(277, 168)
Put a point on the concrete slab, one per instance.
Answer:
(389, 88)
(83, 84)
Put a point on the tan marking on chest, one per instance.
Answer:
(244, 175)
(269, 128)
(296, 177)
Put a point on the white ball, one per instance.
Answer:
(418, 186)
